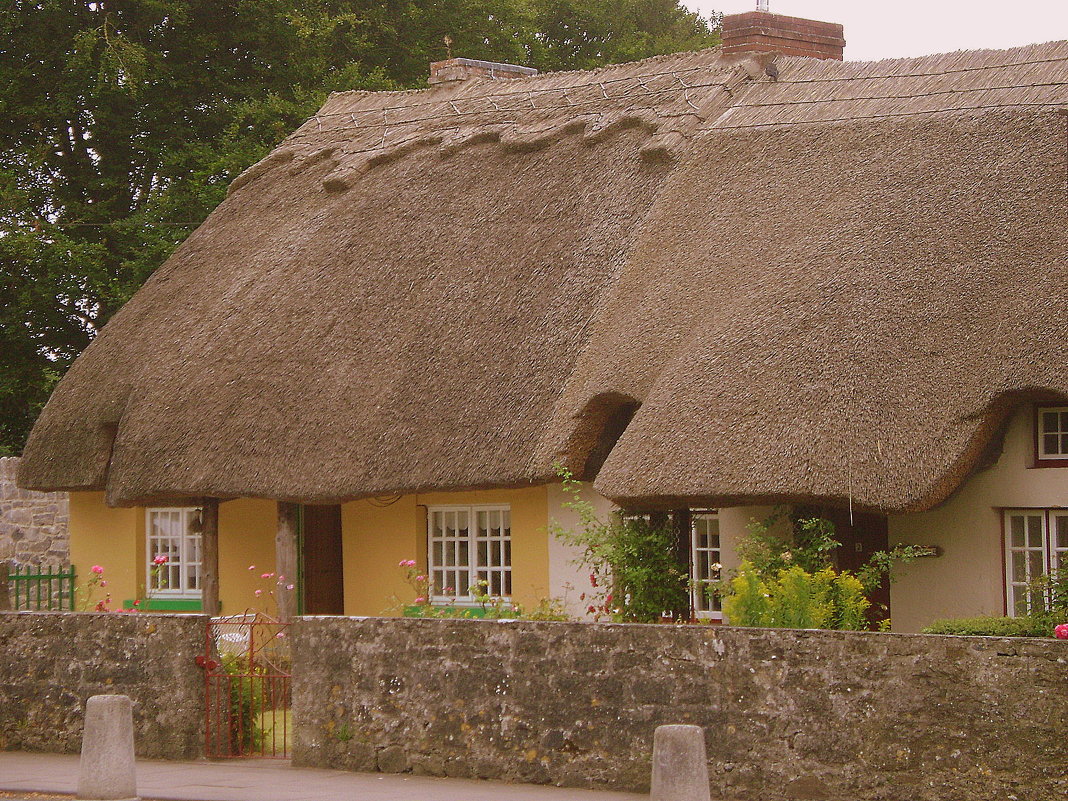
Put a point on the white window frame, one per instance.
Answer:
(704, 608)
(497, 571)
(1042, 453)
(184, 554)
(1052, 552)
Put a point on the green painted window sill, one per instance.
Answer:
(452, 611)
(166, 605)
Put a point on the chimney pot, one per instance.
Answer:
(761, 32)
(462, 69)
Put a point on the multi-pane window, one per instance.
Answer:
(705, 562)
(1036, 543)
(1053, 432)
(469, 544)
(175, 534)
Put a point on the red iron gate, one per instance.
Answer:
(247, 686)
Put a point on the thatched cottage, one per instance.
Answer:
(715, 281)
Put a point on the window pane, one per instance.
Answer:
(1037, 563)
(1064, 443)
(1061, 527)
(508, 554)
(1049, 421)
(1064, 421)
(1034, 531)
(1017, 531)
(1019, 567)
(1020, 605)
(1049, 443)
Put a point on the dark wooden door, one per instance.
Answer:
(324, 577)
(866, 534)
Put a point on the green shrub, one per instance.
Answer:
(991, 627)
(748, 601)
(849, 602)
(796, 599)
(246, 704)
(788, 578)
(634, 571)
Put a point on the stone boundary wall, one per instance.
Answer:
(51, 662)
(787, 714)
(33, 525)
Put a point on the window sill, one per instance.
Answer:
(166, 605)
(1049, 463)
(455, 610)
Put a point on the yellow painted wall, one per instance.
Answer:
(968, 579)
(109, 537)
(375, 539)
(246, 537)
(114, 538)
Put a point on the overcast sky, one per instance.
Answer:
(894, 28)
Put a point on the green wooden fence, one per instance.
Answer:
(37, 588)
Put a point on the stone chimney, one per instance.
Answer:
(460, 69)
(761, 32)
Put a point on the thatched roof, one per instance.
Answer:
(831, 285)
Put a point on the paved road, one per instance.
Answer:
(266, 780)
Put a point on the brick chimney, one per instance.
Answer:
(761, 32)
(460, 69)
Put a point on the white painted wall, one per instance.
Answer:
(567, 578)
(968, 579)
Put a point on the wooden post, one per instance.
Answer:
(285, 550)
(5, 598)
(682, 520)
(209, 555)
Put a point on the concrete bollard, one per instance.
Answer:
(680, 765)
(107, 771)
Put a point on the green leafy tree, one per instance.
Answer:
(583, 34)
(123, 121)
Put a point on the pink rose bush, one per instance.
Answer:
(420, 584)
(266, 596)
